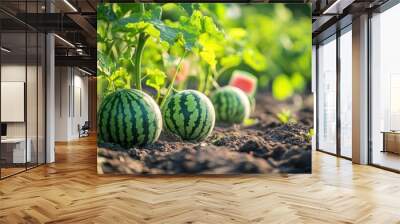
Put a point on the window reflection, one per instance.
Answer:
(327, 96)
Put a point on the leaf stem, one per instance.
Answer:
(215, 84)
(219, 73)
(209, 76)
(142, 9)
(171, 85)
(138, 60)
(200, 85)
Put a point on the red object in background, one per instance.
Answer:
(244, 81)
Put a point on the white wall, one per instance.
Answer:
(9, 73)
(71, 94)
(62, 81)
(16, 73)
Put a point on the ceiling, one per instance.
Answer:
(74, 22)
(330, 15)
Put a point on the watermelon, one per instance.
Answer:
(244, 81)
(129, 118)
(231, 104)
(189, 114)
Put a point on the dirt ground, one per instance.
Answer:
(265, 147)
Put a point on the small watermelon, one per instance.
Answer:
(189, 114)
(231, 104)
(129, 118)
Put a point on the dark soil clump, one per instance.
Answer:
(265, 147)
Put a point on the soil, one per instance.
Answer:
(264, 147)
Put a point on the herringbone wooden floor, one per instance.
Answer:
(70, 191)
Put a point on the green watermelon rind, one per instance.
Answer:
(129, 118)
(231, 105)
(189, 114)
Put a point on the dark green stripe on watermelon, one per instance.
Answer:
(129, 118)
(189, 114)
(132, 105)
(127, 125)
(197, 111)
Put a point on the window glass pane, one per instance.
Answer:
(346, 94)
(32, 97)
(327, 96)
(22, 87)
(385, 84)
(14, 153)
(41, 98)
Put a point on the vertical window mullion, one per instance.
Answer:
(26, 86)
(369, 71)
(0, 93)
(317, 96)
(37, 90)
(338, 80)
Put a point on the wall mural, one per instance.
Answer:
(196, 88)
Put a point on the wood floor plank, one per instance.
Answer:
(70, 191)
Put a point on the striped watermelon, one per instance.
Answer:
(189, 114)
(231, 104)
(129, 118)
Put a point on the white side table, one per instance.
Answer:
(18, 145)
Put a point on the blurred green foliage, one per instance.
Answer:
(286, 116)
(271, 41)
(309, 135)
(276, 43)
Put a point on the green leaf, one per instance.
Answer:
(195, 20)
(144, 27)
(230, 61)
(250, 121)
(105, 64)
(298, 81)
(155, 78)
(209, 43)
(209, 26)
(309, 135)
(171, 35)
(178, 48)
(237, 33)
(190, 7)
(105, 12)
(119, 84)
(254, 59)
(155, 10)
(286, 116)
(209, 57)
(282, 87)
(120, 79)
